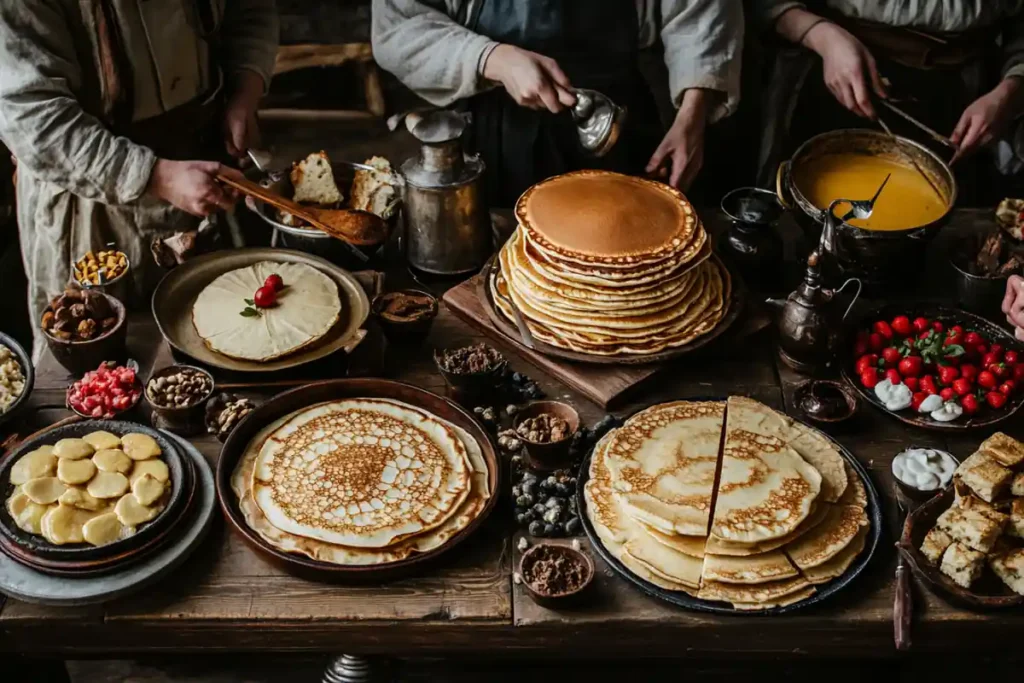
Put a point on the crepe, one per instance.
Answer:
(763, 595)
(837, 566)
(306, 309)
(721, 547)
(360, 473)
(829, 538)
(769, 566)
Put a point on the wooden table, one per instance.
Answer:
(226, 598)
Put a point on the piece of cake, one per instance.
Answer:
(935, 543)
(1010, 568)
(970, 527)
(375, 189)
(1015, 527)
(986, 477)
(972, 502)
(962, 564)
(1017, 489)
(313, 181)
(1006, 450)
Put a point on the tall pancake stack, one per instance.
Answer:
(755, 516)
(610, 265)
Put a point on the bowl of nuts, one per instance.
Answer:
(105, 270)
(177, 394)
(471, 370)
(556, 575)
(84, 328)
(546, 429)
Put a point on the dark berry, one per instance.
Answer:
(573, 526)
(524, 501)
(536, 528)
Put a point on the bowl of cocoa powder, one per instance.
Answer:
(556, 575)
(405, 316)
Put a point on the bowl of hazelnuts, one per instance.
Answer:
(546, 429)
(83, 328)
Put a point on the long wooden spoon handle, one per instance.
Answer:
(259, 192)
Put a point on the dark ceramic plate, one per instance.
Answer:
(822, 591)
(82, 555)
(25, 361)
(319, 392)
(986, 416)
(987, 593)
(510, 331)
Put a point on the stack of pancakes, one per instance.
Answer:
(755, 517)
(361, 482)
(608, 264)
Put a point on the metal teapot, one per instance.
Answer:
(810, 327)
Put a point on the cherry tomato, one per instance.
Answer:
(938, 327)
(973, 339)
(869, 378)
(921, 325)
(1018, 373)
(265, 297)
(1011, 357)
(928, 385)
(891, 356)
(917, 399)
(947, 373)
(876, 342)
(910, 366)
(962, 387)
(913, 383)
(883, 328)
(1008, 387)
(901, 325)
(969, 372)
(970, 404)
(274, 281)
(999, 370)
(893, 375)
(947, 394)
(987, 380)
(866, 361)
(995, 399)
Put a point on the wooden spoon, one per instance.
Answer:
(361, 228)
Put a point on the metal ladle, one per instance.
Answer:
(598, 120)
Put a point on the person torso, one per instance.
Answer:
(944, 16)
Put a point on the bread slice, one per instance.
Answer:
(985, 476)
(962, 564)
(1005, 449)
(970, 528)
(1015, 527)
(1010, 568)
(935, 543)
(313, 181)
(375, 190)
(1017, 489)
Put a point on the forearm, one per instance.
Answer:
(797, 25)
(249, 42)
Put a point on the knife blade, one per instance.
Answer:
(524, 331)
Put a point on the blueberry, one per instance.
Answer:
(547, 484)
(560, 529)
(521, 519)
(561, 489)
(524, 501)
(516, 491)
(549, 529)
(573, 526)
(529, 477)
(528, 516)
(539, 509)
(529, 487)
(552, 515)
(536, 528)
(553, 501)
(572, 505)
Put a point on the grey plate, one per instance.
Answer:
(29, 585)
(177, 292)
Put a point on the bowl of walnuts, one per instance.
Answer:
(83, 328)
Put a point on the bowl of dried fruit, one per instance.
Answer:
(105, 270)
(546, 429)
(83, 328)
(556, 575)
(177, 394)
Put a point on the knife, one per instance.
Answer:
(903, 603)
(524, 331)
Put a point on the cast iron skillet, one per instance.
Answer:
(25, 361)
(986, 416)
(822, 591)
(332, 390)
(33, 549)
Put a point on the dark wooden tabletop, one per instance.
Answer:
(227, 598)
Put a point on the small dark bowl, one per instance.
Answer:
(979, 294)
(472, 384)
(918, 494)
(78, 357)
(187, 420)
(557, 600)
(552, 455)
(815, 389)
(25, 361)
(404, 332)
(119, 415)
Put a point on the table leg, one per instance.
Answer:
(352, 669)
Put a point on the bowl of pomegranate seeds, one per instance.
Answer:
(106, 392)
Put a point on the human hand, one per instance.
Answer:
(849, 68)
(683, 145)
(1013, 304)
(241, 128)
(533, 80)
(192, 186)
(986, 117)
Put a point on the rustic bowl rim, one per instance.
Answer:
(588, 561)
(179, 409)
(108, 283)
(910, 491)
(850, 396)
(521, 415)
(122, 318)
(435, 307)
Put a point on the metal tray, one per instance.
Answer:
(311, 394)
(822, 591)
(177, 292)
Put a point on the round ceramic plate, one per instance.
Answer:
(822, 591)
(29, 585)
(319, 392)
(509, 329)
(25, 361)
(986, 416)
(178, 291)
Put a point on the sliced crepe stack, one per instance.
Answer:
(608, 264)
(361, 482)
(756, 518)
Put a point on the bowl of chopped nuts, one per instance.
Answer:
(177, 394)
(105, 270)
(471, 370)
(84, 328)
(224, 412)
(546, 429)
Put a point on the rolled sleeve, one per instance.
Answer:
(250, 37)
(43, 123)
(703, 42)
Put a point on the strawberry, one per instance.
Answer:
(969, 372)
(969, 403)
(913, 383)
(869, 360)
(921, 325)
(987, 380)
(995, 399)
(1011, 357)
(917, 399)
(962, 387)
(1007, 387)
(869, 377)
(891, 356)
(881, 327)
(947, 373)
(910, 366)
(893, 375)
(947, 394)
(901, 325)
(876, 342)
(928, 385)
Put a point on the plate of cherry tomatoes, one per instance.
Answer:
(935, 367)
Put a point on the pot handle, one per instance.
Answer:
(780, 189)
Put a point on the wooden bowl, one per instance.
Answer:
(404, 332)
(78, 357)
(27, 369)
(987, 593)
(550, 455)
(556, 600)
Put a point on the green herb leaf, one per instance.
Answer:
(250, 302)
(953, 351)
(249, 312)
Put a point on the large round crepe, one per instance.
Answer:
(769, 566)
(662, 463)
(829, 538)
(717, 546)
(306, 310)
(361, 472)
(241, 483)
(765, 489)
